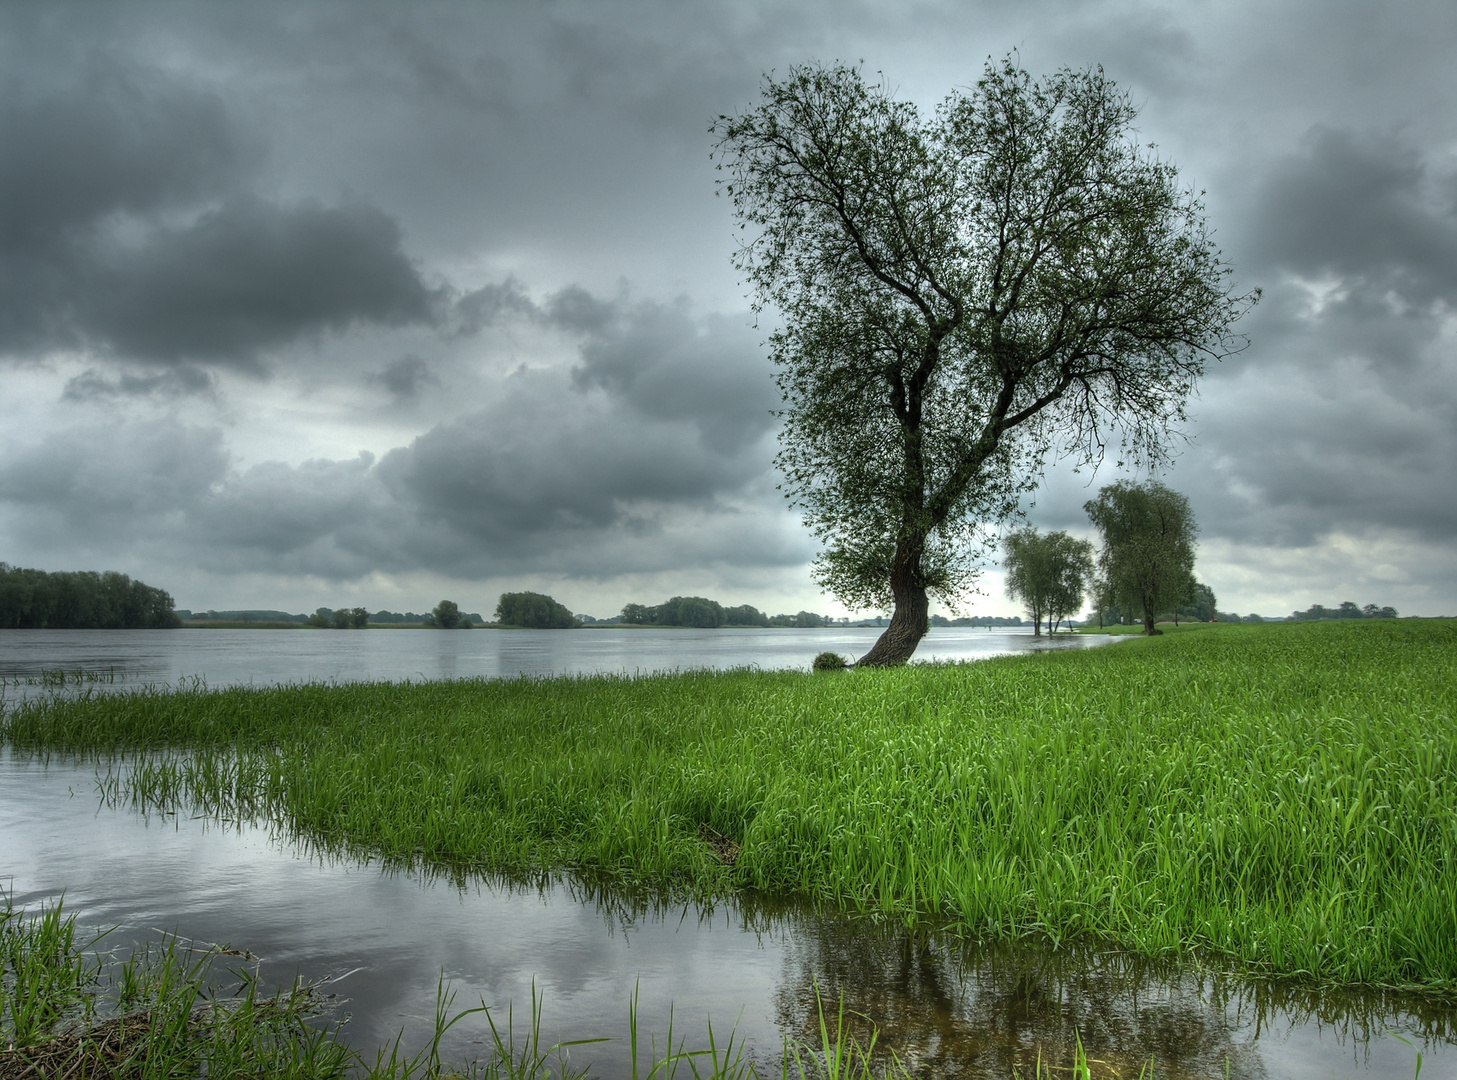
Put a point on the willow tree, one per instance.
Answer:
(1049, 572)
(1148, 547)
(959, 296)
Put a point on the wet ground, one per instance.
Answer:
(946, 1007)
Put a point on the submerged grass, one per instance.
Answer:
(1284, 795)
(67, 1015)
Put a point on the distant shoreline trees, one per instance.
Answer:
(1347, 610)
(534, 611)
(700, 612)
(81, 600)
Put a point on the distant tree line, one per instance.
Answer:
(240, 615)
(446, 616)
(978, 620)
(1347, 610)
(80, 600)
(699, 611)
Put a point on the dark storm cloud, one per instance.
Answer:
(1365, 208)
(121, 140)
(125, 229)
(1342, 416)
(405, 377)
(251, 275)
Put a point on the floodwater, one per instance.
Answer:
(384, 938)
(121, 659)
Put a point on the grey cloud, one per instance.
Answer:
(489, 305)
(185, 381)
(125, 479)
(327, 518)
(250, 275)
(546, 480)
(1341, 418)
(667, 365)
(1363, 208)
(659, 359)
(126, 227)
(122, 141)
(405, 377)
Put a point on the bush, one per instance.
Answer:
(829, 661)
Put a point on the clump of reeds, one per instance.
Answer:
(65, 1016)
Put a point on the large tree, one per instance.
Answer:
(1048, 572)
(1148, 546)
(960, 296)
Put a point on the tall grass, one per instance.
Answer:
(157, 1014)
(1283, 795)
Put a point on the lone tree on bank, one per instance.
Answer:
(961, 295)
(1148, 547)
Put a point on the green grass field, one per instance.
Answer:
(1282, 795)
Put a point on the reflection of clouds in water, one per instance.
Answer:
(313, 909)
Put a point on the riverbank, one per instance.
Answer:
(1283, 795)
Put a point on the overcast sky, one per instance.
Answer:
(310, 304)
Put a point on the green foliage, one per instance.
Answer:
(803, 620)
(696, 611)
(349, 619)
(961, 294)
(341, 619)
(1148, 546)
(1199, 604)
(829, 661)
(1281, 794)
(158, 1014)
(80, 600)
(535, 611)
(1049, 573)
(1347, 610)
(445, 615)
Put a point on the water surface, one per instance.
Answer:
(947, 1007)
(120, 659)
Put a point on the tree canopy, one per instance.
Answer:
(535, 611)
(1148, 547)
(1346, 610)
(1049, 572)
(959, 296)
(80, 600)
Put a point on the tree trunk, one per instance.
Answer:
(1148, 626)
(907, 624)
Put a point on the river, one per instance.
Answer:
(35, 661)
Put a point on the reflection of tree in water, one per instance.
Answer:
(947, 1009)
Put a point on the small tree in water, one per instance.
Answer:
(1048, 573)
(962, 295)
